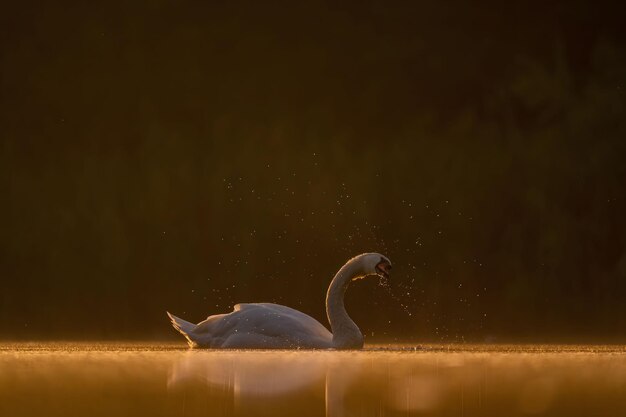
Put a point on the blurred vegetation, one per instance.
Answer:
(157, 156)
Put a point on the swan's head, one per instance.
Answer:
(374, 264)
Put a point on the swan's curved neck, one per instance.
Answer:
(346, 334)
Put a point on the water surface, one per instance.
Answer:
(121, 379)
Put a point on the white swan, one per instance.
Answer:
(272, 326)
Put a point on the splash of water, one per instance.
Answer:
(384, 282)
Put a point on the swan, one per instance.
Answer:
(273, 326)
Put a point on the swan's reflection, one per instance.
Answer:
(388, 380)
(257, 375)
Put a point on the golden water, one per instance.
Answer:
(169, 380)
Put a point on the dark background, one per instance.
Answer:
(184, 156)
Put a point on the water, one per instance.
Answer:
(170, 380)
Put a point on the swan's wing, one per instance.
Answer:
(261, 325)
(220, 324)
(289, 313)
(207, 325)
(276, 313)
(273, 320)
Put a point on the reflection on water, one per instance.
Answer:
(168, 380)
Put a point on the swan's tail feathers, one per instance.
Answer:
(184, 327)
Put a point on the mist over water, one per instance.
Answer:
(382, 380)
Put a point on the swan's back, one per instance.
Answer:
(261, 325)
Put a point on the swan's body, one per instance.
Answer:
(273, 326)
(259, 325)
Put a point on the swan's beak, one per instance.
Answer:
(383, 269)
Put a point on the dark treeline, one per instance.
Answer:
(164, 156)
